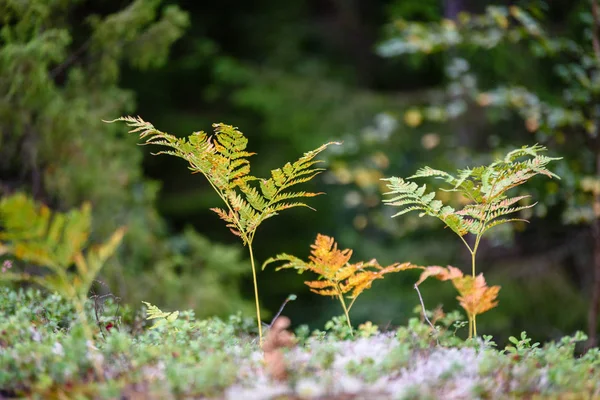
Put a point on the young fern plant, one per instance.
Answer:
(485, 187)
(223, 160)
(337, 276)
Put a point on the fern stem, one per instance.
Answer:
(255, 293)
(473, 271)
(248, 239)
(352, 303)
(473, 263)
(341, 297)
(466, 244)
(470, 326)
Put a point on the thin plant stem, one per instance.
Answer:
(470, 327)
(473, 264)
(473, 251)
(423, 307)
(352, 303)
(287, 300)
(255, 293)
(466, 244)
(473, 271)
(341, 297)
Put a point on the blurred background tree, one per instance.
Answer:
(61, 63)
(291, 76)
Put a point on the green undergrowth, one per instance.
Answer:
(45, 354)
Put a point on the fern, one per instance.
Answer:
(475, 297)
(223, 160)
(337, 277)
(55, 242)
(163, 318)
(485, 187)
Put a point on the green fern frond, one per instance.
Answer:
(503, 221)
(507, 202)
(484, 186)
(163, 318)
(505, 211)
(291, 261)
(223, 160)
(427, 172)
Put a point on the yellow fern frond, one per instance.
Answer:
(54, 241)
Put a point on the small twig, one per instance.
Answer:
(291, 297)
(96, 307)
(99, 306)
(423, 307)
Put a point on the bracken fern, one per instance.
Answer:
(337, 277)
(485, 187)
(223, 160)
(54, 241)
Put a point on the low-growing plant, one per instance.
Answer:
(42, 357)
(223, 160)
(522, 345)
(484, 188)
(336, 276)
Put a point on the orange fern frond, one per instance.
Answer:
(326, 259)
(337, 276)
(440, 273)
(475, 297)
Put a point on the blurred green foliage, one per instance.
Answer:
(64, 60)
(558, 107)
